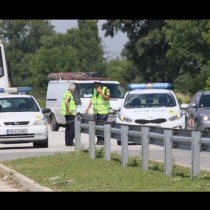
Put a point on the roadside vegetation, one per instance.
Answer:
(183, 98)
(77, 172)
(174, 51)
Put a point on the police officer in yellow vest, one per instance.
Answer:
(68, 109)
(101, 105)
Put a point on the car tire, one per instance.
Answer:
(53, 123)
(41, 144)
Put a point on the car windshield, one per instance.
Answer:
(149, 100)
(86, 89)
(18, 105)
(205, 101)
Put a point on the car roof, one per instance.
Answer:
(143, 91)
(84, 81)
(206, 92)
(3, 95)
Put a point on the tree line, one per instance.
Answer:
(175, 51)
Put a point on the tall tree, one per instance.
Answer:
(89, 46)
(146, 46)
(189, 52)
(123, 71)
(22, 37)
(55, 55)
(167, 50)
(77, 50)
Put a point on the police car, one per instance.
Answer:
(21, 118)
(151, 105)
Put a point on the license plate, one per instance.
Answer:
(111, 118)
(16, 131)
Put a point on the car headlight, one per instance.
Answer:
(41, 122)
(124, 118)
(205, 117)
(177, 116)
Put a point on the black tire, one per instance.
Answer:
(41, 144)
(53, 123)
(118, 142)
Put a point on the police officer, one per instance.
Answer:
(101, 105)
(68, 109)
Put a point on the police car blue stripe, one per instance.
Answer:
(149, 86)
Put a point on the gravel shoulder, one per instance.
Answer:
(8, 184)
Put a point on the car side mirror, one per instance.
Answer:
(193, 105)
(184, 106)
(46, 110)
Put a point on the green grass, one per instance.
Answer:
(77, 172)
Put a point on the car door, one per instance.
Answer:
(192, 111)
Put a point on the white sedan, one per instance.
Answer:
(21, 118)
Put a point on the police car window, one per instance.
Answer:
(18, 105)
(132, 101)
(149, 100)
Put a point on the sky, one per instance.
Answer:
(113, 46)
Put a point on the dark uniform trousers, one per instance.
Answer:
(69, 132)
(102, 117)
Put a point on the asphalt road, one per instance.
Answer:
(56, 145)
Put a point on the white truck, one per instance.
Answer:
(4, 73)
(58, 84)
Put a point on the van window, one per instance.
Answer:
(86, 90)
(115, 90)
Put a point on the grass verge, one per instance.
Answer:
(77, 172)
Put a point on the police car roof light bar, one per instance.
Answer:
(149, 86)
(16, 90)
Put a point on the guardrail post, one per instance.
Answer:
(124, 145)
(168, 152)
(77, 127)
(92, 131)
(195, 153)
(107, 142)
(145, 148)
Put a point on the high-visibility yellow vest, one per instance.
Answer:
(100, 106)
(72, 105)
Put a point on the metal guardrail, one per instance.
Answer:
(196, 140)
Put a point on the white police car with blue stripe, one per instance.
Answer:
(152, 104)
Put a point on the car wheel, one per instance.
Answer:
(41, 144)
(118, 142)
(53, 123)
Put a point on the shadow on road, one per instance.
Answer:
(16, 147)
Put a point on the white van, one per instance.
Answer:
(84, 89)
